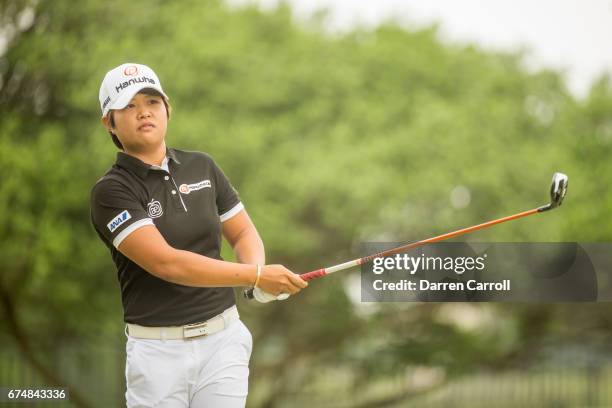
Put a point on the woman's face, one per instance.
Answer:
(142, 124)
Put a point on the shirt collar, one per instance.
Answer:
(139, 167)
(171, 154)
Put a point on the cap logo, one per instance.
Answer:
(133, 81)
(106, 102)
(130, 70)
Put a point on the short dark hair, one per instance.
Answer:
(114, 137)
(111, 117)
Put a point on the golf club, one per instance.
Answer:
(558, 189)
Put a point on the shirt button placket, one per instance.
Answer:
(178, 200)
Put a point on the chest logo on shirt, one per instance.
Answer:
(188, 188)
(154, 209)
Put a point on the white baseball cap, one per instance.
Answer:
(120, 84)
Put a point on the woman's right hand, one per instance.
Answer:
(276, 279)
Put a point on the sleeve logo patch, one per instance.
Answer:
(188, 188)
(118, 220)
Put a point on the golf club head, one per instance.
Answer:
(558, 189)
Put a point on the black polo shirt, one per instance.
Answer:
(187, 203)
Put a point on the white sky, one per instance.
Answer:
(573, 36)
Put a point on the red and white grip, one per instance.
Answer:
(308, 276)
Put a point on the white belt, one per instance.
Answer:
(210, 326)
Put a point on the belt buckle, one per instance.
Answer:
(195, 330)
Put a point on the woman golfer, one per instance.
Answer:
(162, 212)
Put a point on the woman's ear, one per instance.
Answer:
(106, 123)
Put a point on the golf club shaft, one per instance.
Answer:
(319, 273)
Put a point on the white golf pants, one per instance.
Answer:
(210, 371)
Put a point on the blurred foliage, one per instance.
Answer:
(331, 140)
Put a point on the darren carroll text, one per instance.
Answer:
(424, 284)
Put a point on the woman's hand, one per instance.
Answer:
(276, 279)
